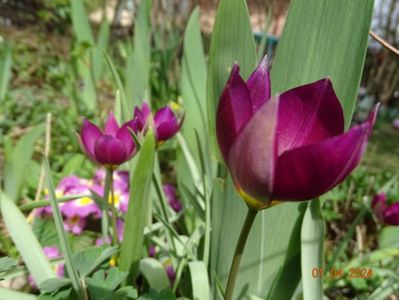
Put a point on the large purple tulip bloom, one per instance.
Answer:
(289, 147)
(110, 147)
(166, 123)
(386, 213)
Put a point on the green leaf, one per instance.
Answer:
(63, 240)
(312, 242)
(14, 295)
(87, 260)
(6, 265)
(324, 38)
(166, 294)
(25, 240)
(139, 60)
(127, 292)
(137, 212)
(232, 41)
(154, 273)
(80, 22)
(54, 284)
(199, 280)
(102, 43)
(5, 71)
(17, 162)
(388, 237)
(101, 286)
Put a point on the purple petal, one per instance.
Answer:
(259, 85)
(125, 136)
(310, 171)
(141, 115)
(308, 114)
(111, 126)
(166, 124)
(110, 151)
(379, 205)
(89, 134)
(391, 214)
(234, 111)
(252, 156)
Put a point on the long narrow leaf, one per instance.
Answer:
(5, 72)
(25, 241)
(14, 295)
(136, 217)
(64, 243)
(199, 280)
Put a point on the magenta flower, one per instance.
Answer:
(290, 147)
(174, 202)
(386, 213)
(75, 224)
(110, 147)
(166, 123)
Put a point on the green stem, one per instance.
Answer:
(246, 228)
(115, 241)
(104, 207)
(42, 203)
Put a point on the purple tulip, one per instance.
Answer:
(110, 147)
(386, 213)
(290, 147)
(165, 121)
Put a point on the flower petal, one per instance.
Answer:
(165, 124)
(110, 151)
(259, 85)
(234, 111)
(125, 136)
(141, 115)
(391, 214)
(308, 114)
(111, 126)
(89, 134)
(252, 156)
(310, 171)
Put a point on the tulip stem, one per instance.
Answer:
(246, 228)
(113, 210)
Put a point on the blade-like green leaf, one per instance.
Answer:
(138, 64)
(16, 164)
(5, 72)
(232, 41)
(155, 273)
(102, 43)
(64, 242)
(312, 242)
(136, 217)
(324, 38)
(25, 240)
(80, 22)
(199, 280)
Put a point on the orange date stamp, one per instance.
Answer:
(351, 273)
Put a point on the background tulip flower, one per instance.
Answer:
(166, 123)
(110, 147)
(290, 147)
(386, 213)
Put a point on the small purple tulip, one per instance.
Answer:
(110, 147)
(166, 123)
(289, 147)
(386, 214)
(174, 202)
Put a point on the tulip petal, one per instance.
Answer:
(308, 114)
(110, 151)
(259, 85)
(391, 214)
(141, 115)
(89, 134)
(111, 126)
(234, 111)
(310, 171)
(253, 154)
(125, 136)
(165, 124)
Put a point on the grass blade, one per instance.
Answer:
(136, 217)
(64, 243)
(5, 72)
(25, 241)
(199, 280)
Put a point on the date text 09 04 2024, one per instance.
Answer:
(339, 273)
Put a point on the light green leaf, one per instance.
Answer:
(102, 43)
(5, 72)
(139, 60)
(14, 295)
(54, 284)
(199, 280)
(154, 273)
(136, 216)
(18, 161)
(388, 237)
(312, 242)
(324, 38)
(25, 240)
(80, 22)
